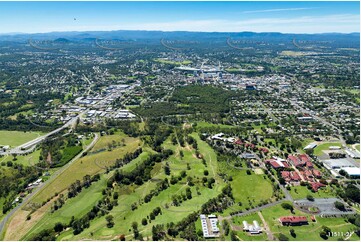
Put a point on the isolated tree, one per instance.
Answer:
(339, 205)
(287, 206)
(310, 197)
(292, 232)
(283, 237)
(110, 222)
(58, 227)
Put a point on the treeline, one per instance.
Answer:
(14, 180)
(350, 193)
(77, 186)
(186, 228)
(128, 157)
(59, 150)
(141, 173)
(161, 186)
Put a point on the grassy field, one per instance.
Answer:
(128, 194)
(301, 192)
(308, 232)
(325, 146)
(203, 124)
(88, 165)
(124, 216)
(16, 138)
(177, 63)
(293, 53)
(250, 189)
(307, 141)
(26, 160)
(73, 207)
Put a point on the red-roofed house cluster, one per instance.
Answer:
(303, 164)
(250, 145)
(293, 220)
(290, 176)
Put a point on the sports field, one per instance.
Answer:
(325, 146)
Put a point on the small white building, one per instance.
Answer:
(310, 146)
(209, 226)
(252, 228)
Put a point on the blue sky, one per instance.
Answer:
(286, 17)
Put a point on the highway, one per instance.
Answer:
(27, 147)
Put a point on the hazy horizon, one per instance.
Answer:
(281, 17)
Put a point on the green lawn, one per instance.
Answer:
(132, 165)
(307, 141)
(16, 138)
(203, 124)
(26, 160)
(76, 207)
(163, 61)
(301, 192)
(129, 194)
(124, 216)
(249, 189)
(325, 146)
(88, 165)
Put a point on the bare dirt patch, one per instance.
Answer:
(19, 226)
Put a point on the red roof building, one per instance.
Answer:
(304, 158)
(290, 176)
(264, 150)
(285, 164)
(316, 186)
(308, 173)
(293, 220)
(238, 142)
(294, 176)
(286, 175)
(316, 173)
(274, 164)
(295, 161)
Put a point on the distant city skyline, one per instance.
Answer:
(284, 17)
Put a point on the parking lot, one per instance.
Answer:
(325, 205)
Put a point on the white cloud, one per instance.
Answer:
(276, 10)
(343, 23)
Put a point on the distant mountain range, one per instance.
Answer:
(179, 35)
